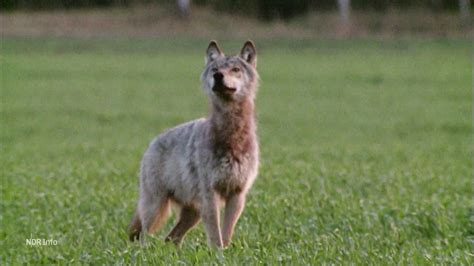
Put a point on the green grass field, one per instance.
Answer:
(365, 147)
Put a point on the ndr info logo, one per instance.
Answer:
(41, 242)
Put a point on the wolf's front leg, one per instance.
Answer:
(233, 208)
(210, 218)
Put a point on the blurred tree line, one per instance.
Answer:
(286, 9)
(264, 9)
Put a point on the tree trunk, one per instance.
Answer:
(344, 11)
(184, 7)
(464, 11)
(344, 27)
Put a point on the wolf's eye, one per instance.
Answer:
(214, 69)
(235, 69)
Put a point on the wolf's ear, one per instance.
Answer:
(249, 53)
(212, 52)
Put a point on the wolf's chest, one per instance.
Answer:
(231, 174)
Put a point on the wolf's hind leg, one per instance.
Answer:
(188, 218)
(135, 227)
(153, 210)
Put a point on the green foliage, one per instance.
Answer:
(385, 4)
(65, 4)
(287, 9)
(263, 9)
(366, 154)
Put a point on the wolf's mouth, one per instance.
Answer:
(223, 89)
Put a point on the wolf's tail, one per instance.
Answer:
(135, 227)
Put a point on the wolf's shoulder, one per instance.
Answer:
(178, 134)
(184, 128)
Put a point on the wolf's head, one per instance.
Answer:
(229, 79)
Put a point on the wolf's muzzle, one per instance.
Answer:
(220, 88)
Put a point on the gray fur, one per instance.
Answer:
(204, 163)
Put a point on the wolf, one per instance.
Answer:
(206, 163)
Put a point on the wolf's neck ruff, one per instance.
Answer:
(232, 129)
